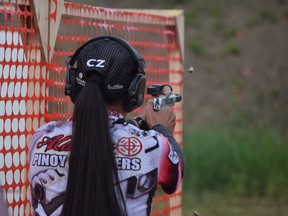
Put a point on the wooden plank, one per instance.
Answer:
(40, 10)
(55, 14)
(123, 15)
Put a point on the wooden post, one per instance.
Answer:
(178, 89)
(47, 18)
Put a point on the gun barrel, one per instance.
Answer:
(174, 98)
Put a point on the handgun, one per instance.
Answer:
(163, 96)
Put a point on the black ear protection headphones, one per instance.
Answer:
(135, 94)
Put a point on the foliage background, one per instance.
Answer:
(235, 104)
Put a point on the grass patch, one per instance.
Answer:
(282, 2)
(239, 160)
(269, 16)
(198, 46)
(192, 19)
(253, 22)
(233, 49)
(218, 25)
(219, 204)
(285, 14)
(231, 33)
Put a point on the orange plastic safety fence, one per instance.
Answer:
(22, 104)
(32, 89)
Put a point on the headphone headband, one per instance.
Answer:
(137, 57)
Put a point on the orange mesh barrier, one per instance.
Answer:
(32, 76)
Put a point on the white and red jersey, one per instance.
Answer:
(144, 160)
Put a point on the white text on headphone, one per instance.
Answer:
(95, 63)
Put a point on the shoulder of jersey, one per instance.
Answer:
(146, 132)
(53, 124)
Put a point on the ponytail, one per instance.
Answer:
(92, 169)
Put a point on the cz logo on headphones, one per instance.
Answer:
(95, 63)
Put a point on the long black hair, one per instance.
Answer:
(107, 68)
(90, 187)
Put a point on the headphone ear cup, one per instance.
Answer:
(70, 83)
(67, 90)
(135, 94)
